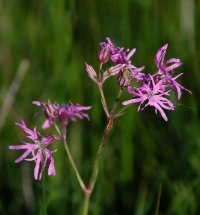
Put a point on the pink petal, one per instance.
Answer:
(37, 165)
(51, 169)
(23, 156)
(47, 123)
(161, 112)
(176, 63)
(37, 103)
(48, 140)
(131, 53)
(170, 107)
(31, 134)
(133, 101)
(178, 89)
(109, 41)
(160, 55)
(18, 147)
(83, 107)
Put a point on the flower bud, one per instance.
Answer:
(91, 73)
(104, 55)
(115, 70)
(124, 78)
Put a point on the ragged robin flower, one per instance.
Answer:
(117, 55)
(64, 112)
(166, 70)
(72, 112)
(151, 94)
(36, 151)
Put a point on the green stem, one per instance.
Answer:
(158, 199)
(116, 101)
(44, 211)
(107, 130)
(100, 86)
(95, 169)
(57, 129)
(121, 111)
(63, 136)
(100, 71)
(71, 160)
(86, 204)
(103, 100)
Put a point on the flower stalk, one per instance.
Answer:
(116, 102)
(71, 160)
(103, 100)
(95, 170)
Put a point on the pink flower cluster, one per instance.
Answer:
(38, 151)
(152, 89)
(146, 90)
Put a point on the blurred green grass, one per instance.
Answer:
(58, 37)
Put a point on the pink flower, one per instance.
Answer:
(165, 66)
(151, 94)
(108, 45)
(117, 54)
(72, 112)
(63, 112)
(123, 57)
(37, 150)
(123, 67)
(50, 110)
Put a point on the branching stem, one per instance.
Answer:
(95, 169)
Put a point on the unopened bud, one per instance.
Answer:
(91, 73)
(104, 55)
(124, 78)
(115, 70)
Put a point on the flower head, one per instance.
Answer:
(72, 112)
(109, 45)
(123, 57)
(165, 71)
(64, 112)
(36, 151)
(151, 94)
(123, 66)
(116, 54)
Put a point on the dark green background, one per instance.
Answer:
(58, 37)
